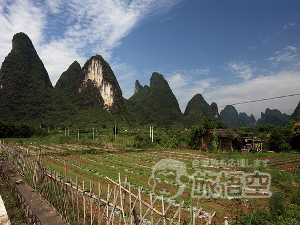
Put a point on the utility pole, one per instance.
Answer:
(152, 134)
(78, 134)
(93, 133)
(115, 130)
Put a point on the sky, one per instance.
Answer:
(230, 51)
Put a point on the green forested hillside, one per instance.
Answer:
(156, 105)
(26, 90)
(68, 82)
(197, 109)
(296, 112)
(27, 96)
(274, 117)
(230, 116)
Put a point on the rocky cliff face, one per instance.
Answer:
(137, 87)
(98, 77)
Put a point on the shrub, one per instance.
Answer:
(296, 197)
(256, 218)
(62, 139)
(275, 140)
(285, 147)
(276, 205)
(142, 142)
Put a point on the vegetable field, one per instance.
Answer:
(176, 175)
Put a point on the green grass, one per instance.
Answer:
(12, 205)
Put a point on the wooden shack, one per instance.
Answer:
(227, 140)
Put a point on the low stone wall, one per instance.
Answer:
(37, 210)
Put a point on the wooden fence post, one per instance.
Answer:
(83, 202)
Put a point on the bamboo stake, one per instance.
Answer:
(196, 215)
(51, 186)
(99, 204)
(105, 211)
(67, 202)
(34, 177)
(178, 211)
(91, 202)
(77, 203)
(130, 217)
(57, 203)
(121, 201)
(151, 203)
(65, 165)
(136, 197)
(111, 219)
(165, 211)
(210, 217)
(72, 197)
(96, 209)
(163, 208)
(133, 211)
(149, 209)
(108, 196)
(83, 203)
(140, 199)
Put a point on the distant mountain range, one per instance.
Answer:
(91, 96)
(234, 119)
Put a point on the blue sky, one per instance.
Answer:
(229, 51)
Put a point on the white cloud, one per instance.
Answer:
(126, 77)
(280, 84)
(177, 80)
(57, 57)
(286, 54)
(19, 16)
(205, 71)
(241, 69)
(185, 84)
(64, 31)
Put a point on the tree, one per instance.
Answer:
(295, 142)
(207, 123)
(290, 133)
(296, 130)
(277, 143)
